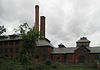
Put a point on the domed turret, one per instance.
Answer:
(83, 42)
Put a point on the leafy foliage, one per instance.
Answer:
(28, 45)
(2, 29)
(10, 64)
(28, 42)
(98, 59)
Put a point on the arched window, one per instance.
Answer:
(65, 58)
(81, 60)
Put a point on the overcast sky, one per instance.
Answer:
(66, 20)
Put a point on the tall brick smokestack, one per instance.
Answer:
(42, 26)
(37, 18)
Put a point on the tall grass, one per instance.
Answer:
(75, 69)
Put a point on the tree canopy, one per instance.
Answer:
(28, 44)
(2, 29)
(29, 37)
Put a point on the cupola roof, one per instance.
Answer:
(83, 39)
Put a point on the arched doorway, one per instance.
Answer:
(81, 60)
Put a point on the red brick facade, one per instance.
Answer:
(9, 48)
(81, 56)
(43, 53)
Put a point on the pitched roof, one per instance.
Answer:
(61, 45)
(94, 49)
(63, 50)
(72, 49)
(83, 39)
(44, 42)
(40, 42)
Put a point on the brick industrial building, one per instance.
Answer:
(82, 53)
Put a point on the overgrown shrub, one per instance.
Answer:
(48, 62)
(42, 66)
(10, 64)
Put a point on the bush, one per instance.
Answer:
(48, 62)
(10, 64)
(42, 66)
(54, 66)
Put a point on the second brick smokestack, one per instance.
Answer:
(37, 18)
(42, 26)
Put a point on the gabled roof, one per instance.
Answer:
(61, 45)
(94, 49)
(83, 39)
(41, 42)
(44, 42)
(63, 50)
(10, 37)
(72, 50)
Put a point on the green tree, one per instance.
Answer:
(29, 38)
(28, 46)
(2, 29)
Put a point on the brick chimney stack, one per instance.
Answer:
(42, 26)
(37, 18)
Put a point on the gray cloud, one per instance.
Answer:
(66, 21)
(16, 12)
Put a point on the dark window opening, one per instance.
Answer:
(17, 50)
(11, 50)
(6, 55)
(65, 58)
(0, 50)
(5, 43)
(11, 55)
(39, 50)
(51, 57)
(58, 58)
(37, 57)
(11, 43)
(44, 53)
(45, 50)
(1, 43)
(81, 60)
(17, 43)
(5, 50)
(44, 56)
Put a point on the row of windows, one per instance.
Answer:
(37, 57)
(44, 50)
(9, 43)
(58, 58)
(11, 50)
